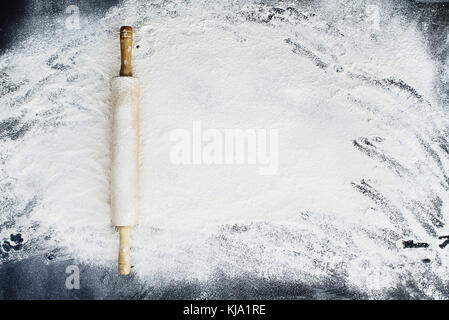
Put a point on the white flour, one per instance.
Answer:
(361, 162)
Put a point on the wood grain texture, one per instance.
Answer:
(126, 48)
(124, 256)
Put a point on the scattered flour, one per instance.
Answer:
(363, 149)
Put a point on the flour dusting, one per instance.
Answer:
(363, 145)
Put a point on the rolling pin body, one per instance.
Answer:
(125, 151)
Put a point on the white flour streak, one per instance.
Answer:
(362, 138)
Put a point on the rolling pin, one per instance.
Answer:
(125, 150)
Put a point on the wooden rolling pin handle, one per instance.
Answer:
(124, 257)
(126, 48)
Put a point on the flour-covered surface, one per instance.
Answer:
(361, 107)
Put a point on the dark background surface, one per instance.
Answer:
(43, 277)
(14, 15)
